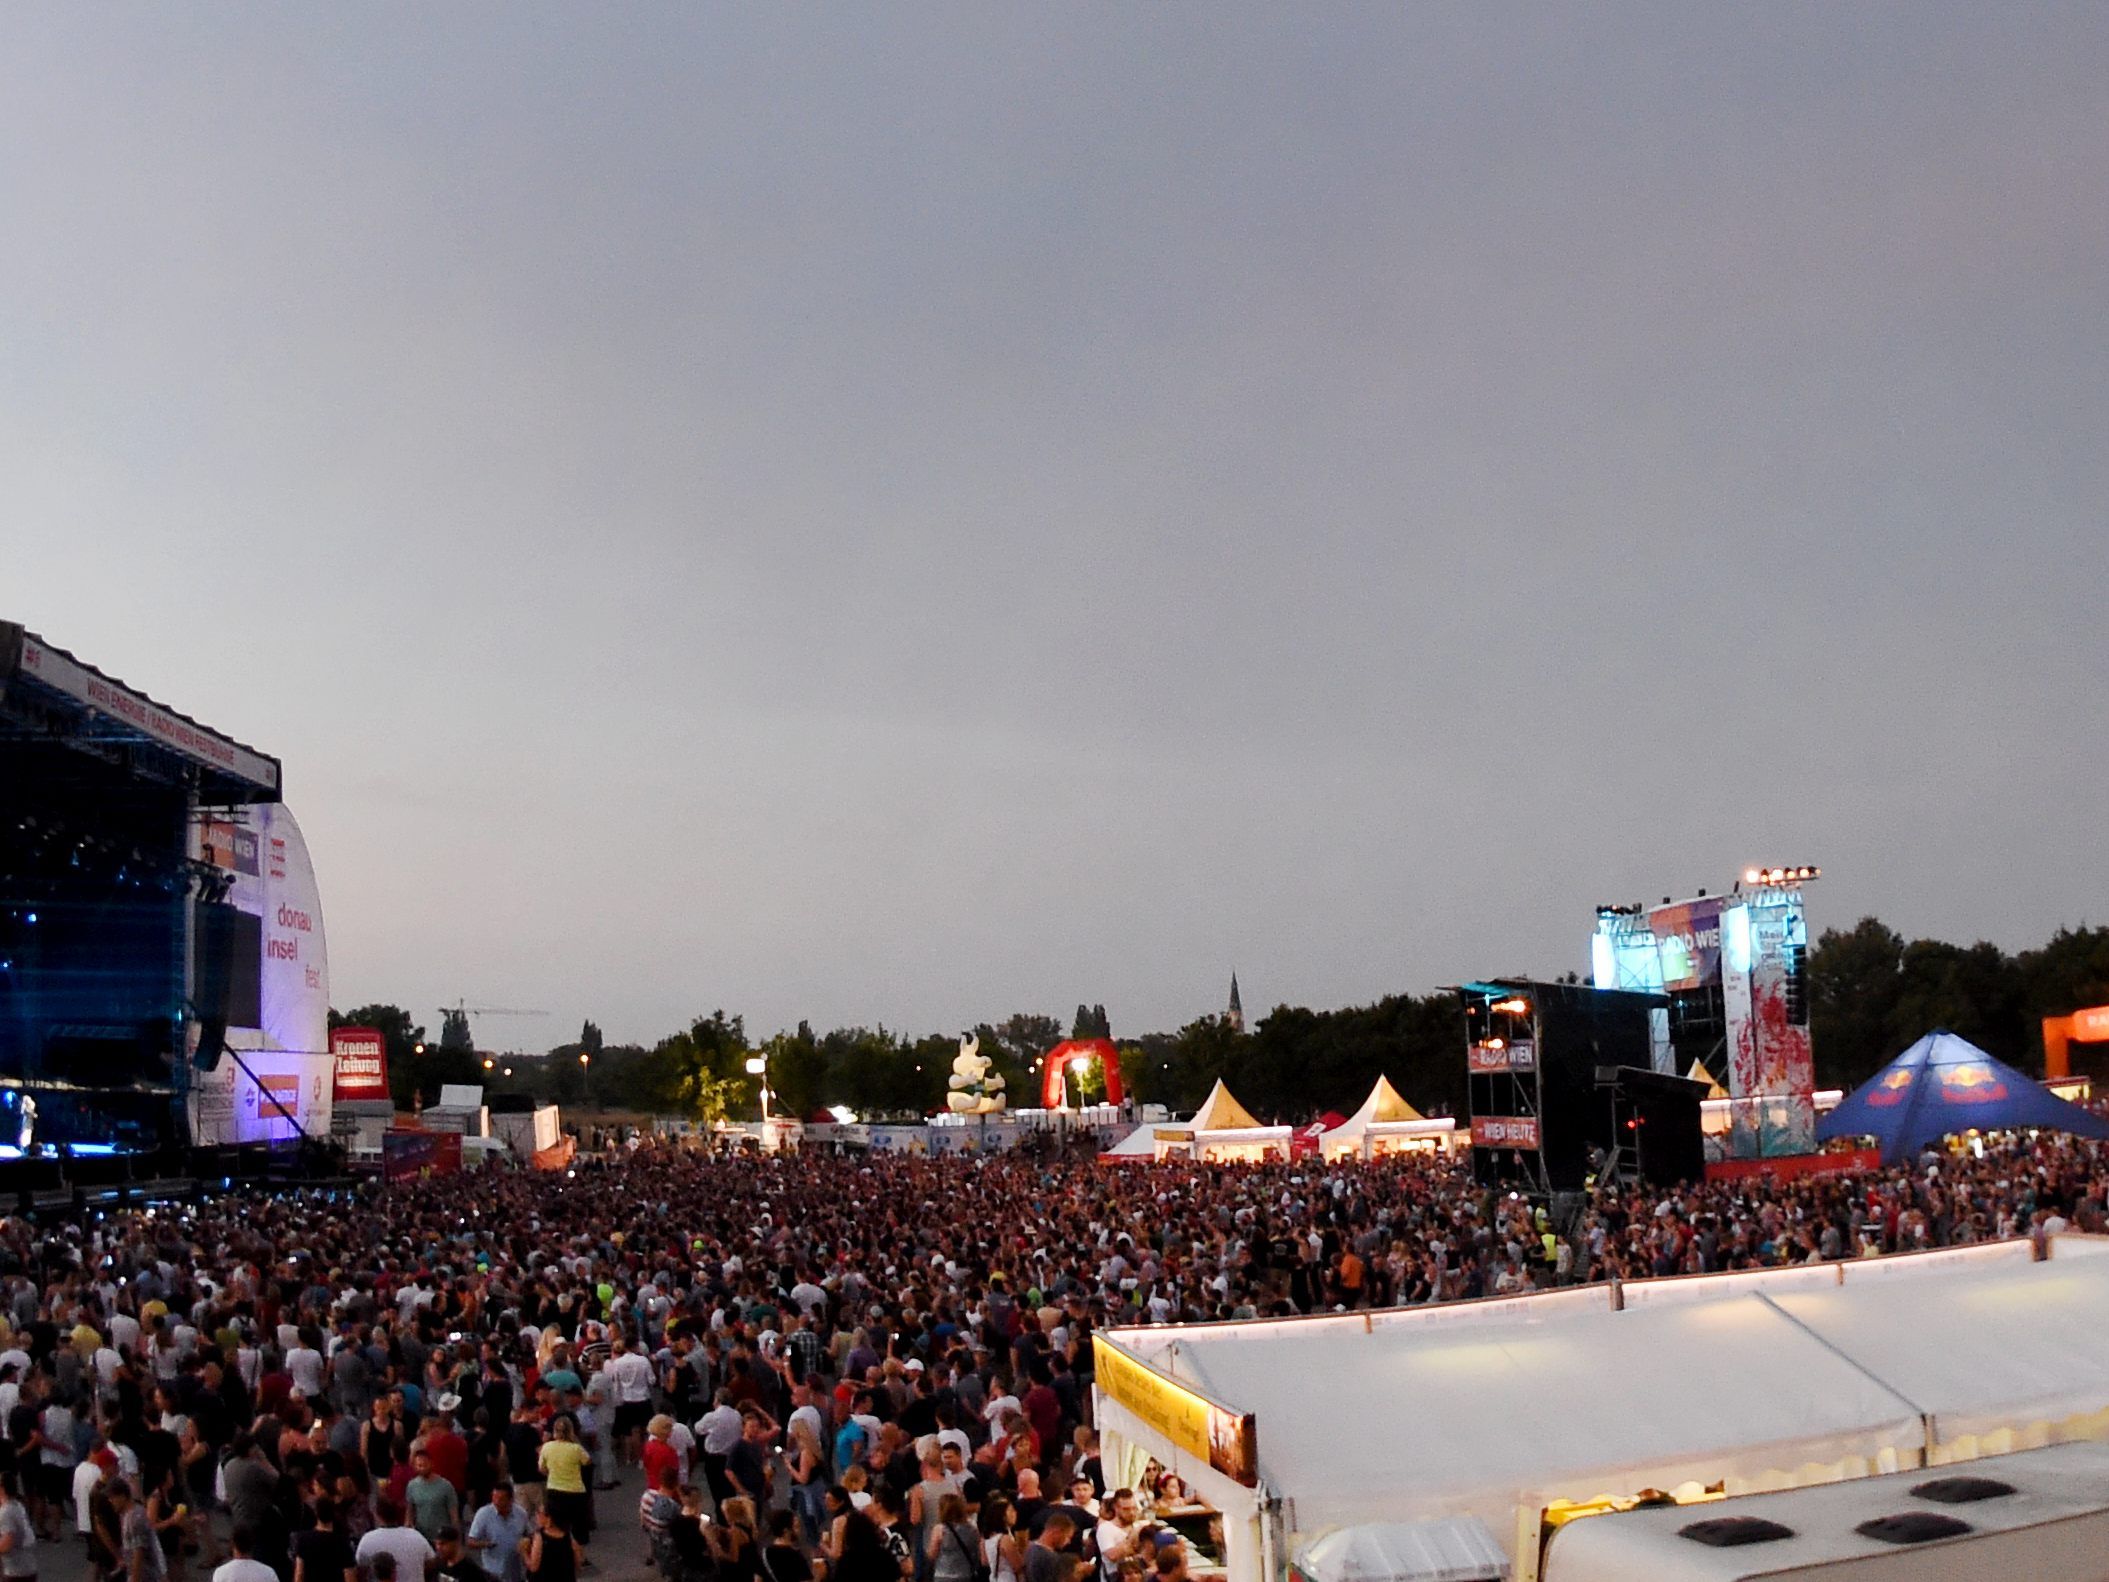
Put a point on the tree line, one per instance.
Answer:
(1871, 993)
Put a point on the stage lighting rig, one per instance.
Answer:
(1780, 878)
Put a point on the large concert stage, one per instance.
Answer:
(163, 988)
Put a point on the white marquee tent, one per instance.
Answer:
(1386, 1123)
(1497, 1409)
(1222, 1129)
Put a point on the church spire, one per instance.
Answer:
(1235, 1015)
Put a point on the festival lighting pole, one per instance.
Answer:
(758, 1066)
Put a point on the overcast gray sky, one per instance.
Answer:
(915, 513)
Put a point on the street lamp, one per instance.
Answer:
(585, 1073)
(488, 1063)
(758, 1066)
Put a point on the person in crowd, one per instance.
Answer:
(737, 1542)
(688, 1544)
(242, 1564)
(321, 1551)
(138, 1545)
(785, 1558)
(314, 1361)
(1003, 1545)
(862, 1553)
(1047, 1557)
(496, 1532)
(430, 1499)
(551, 1553)
(407, 1550)
(566, 1468)
(953, 1545)
(18, 1534)
(451, 1561)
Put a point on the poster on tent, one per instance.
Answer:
(1228, 1441)
(289, 1083)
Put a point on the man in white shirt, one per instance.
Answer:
(992, 1414)
(405, 1544)
(244, 1566)
(809, 1297)
(1116, 1531)
(85, 1478)
(307, 1369)
(718, 1430)
(629, 1376)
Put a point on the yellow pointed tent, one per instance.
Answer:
(1385, 1121)
(1699, 1073)
(1222, 1129)
(1385, 1104)
(1221, 1112)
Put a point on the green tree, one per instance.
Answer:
(1017, 1045)
(1854, 978)
(454, 1031)
(1976, 990)
(1090, 1022)
(926, 1063)
(700, 1072)
(2068, 974)
(797, 1071)
(1204, 1051)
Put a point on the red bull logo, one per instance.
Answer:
(1891, 1089)
(1971, 1083)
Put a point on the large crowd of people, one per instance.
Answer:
(869, 1368)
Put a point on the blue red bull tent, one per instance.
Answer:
(1942, 1085)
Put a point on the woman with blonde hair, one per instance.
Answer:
(809, 1479)
(736, 1537)
(564, 1463)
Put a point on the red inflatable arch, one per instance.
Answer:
(1064, 1056)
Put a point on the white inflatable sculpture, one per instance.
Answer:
(976, 1087)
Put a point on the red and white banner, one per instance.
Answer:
(1496, 1057)
(1504, 1131)
(361, 1058)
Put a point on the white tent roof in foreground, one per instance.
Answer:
(1491, 1408)
(1398, 1423)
